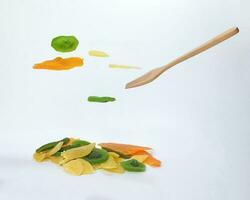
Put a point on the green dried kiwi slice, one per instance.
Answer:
(133, 166)
(97, 156)
(51, 145)
(64, 43)
(80, 142)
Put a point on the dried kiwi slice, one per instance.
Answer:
(64, 43)
(51, 145)
(80, 142)
(133, 166)
(97, 156)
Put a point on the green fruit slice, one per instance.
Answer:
(51, 145)
(97, 156)
(80, 142)
(64, 43)
(133, 166)
(100, 99)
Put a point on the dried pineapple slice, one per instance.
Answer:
(98, 53)
(114, 155)
(87, 167)
(78, 152)
(78, 167)
(118, 170)
(109, 164)
(55, 159)
(73, 167)
(39, 157)
(54, 150)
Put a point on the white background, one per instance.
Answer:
(196, 116)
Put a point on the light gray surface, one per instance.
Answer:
(196, 116)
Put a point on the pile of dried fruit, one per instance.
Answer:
(80, 157)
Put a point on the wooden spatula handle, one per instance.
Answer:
(216, 40)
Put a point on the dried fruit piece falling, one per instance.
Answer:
(96, 53)
(115, 66)
(65, 43)
(60, 63)
(100, 99)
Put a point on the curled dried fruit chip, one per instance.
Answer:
(78, 152)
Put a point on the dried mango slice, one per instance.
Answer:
(55, 159)
(74, 167)
(124, 150)
(78, 152)
(140, 158)
(96, 53)
(150, 160)
(109, 164)
(39, 156)
(54, 150)
(115, 66)
(60, 63)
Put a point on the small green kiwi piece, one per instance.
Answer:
(80, 142)
(97, 156)
(133, 166)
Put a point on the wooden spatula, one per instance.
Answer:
(153, 74)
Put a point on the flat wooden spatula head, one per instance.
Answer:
(146, 78)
